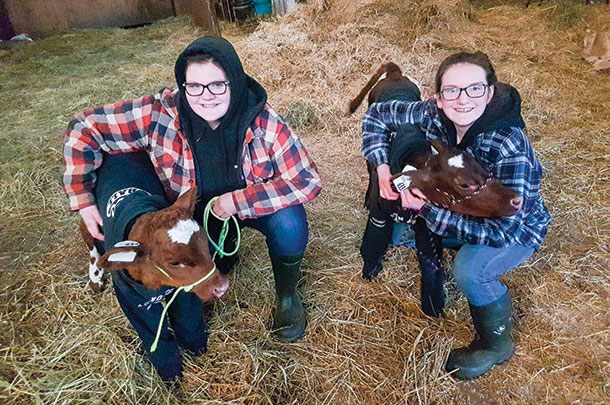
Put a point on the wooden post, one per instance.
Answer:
(202, 13)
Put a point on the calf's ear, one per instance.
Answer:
(438, 147)
(186, 201)
(122, 255)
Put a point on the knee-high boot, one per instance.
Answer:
(493, 345)
(289, 319)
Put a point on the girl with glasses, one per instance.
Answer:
(475, 113)
(216, 132)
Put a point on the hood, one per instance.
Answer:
(246, 93)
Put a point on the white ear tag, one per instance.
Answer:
(434, 151)
(409, 168)
(127, 243)
(122, 257)
(402, 183)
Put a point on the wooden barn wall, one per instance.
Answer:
(39, 18)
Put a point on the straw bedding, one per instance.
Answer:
(366, 342)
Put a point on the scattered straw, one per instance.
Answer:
(366, 343)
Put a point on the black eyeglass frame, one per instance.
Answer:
(206, 86)
(464, 89)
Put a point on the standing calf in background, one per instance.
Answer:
(448, 177)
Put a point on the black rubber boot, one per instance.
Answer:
(493, 345)
(430, 257)
(289, 319)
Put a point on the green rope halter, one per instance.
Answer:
(219, 250)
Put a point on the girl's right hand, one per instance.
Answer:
(93, 221)
(385, 186)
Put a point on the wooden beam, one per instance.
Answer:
(202, 13)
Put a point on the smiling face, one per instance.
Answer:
(464, 111)
(208, 106)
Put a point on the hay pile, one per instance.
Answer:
(366, 342)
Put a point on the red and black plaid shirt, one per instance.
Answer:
(277, 168)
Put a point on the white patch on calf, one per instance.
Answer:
(456, 161)
(95, 273)
(383, 76)
(122, 257)
(183, 231)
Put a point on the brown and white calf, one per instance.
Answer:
(165, 247)
(448, 177)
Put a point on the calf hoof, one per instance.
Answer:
(371, 270)
(96, 287)
(289, 320)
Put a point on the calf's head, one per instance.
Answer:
(168, 247)
(454, 180)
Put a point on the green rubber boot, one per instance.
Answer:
(493, 345)
(289, 317)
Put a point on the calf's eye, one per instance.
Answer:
(465, 186)
(175, 264)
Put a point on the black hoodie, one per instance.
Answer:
(218, 152)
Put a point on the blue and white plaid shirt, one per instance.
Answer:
(506, 152)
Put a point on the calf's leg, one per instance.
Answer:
(144, 316)
(186, 315)
(430, 257)
(375, 241)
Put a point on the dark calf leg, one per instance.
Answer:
(375, 241)
(430, 258)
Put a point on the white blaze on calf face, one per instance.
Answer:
(183, 231)
(456, 161)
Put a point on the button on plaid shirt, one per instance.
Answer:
(506, 152)
(276, 167)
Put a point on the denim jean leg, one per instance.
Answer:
(286, 231)
(476, 269)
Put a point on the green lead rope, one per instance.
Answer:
(223, 231)
(219, 250)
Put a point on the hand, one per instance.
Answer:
(413, 198)
(224, 207)
(93, 221)
(385, 186)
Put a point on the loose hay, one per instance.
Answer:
(366, 342)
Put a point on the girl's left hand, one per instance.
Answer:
(224, 206)
(413, 199)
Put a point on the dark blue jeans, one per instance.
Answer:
(476, 269)
(286, 232)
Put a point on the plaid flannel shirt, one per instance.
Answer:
(276, 167)
(506, 152)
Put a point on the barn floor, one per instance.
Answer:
(366, 343)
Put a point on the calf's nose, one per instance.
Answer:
(517, 202)
(221, 289)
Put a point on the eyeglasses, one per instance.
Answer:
(197, 89)
(472, 91)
